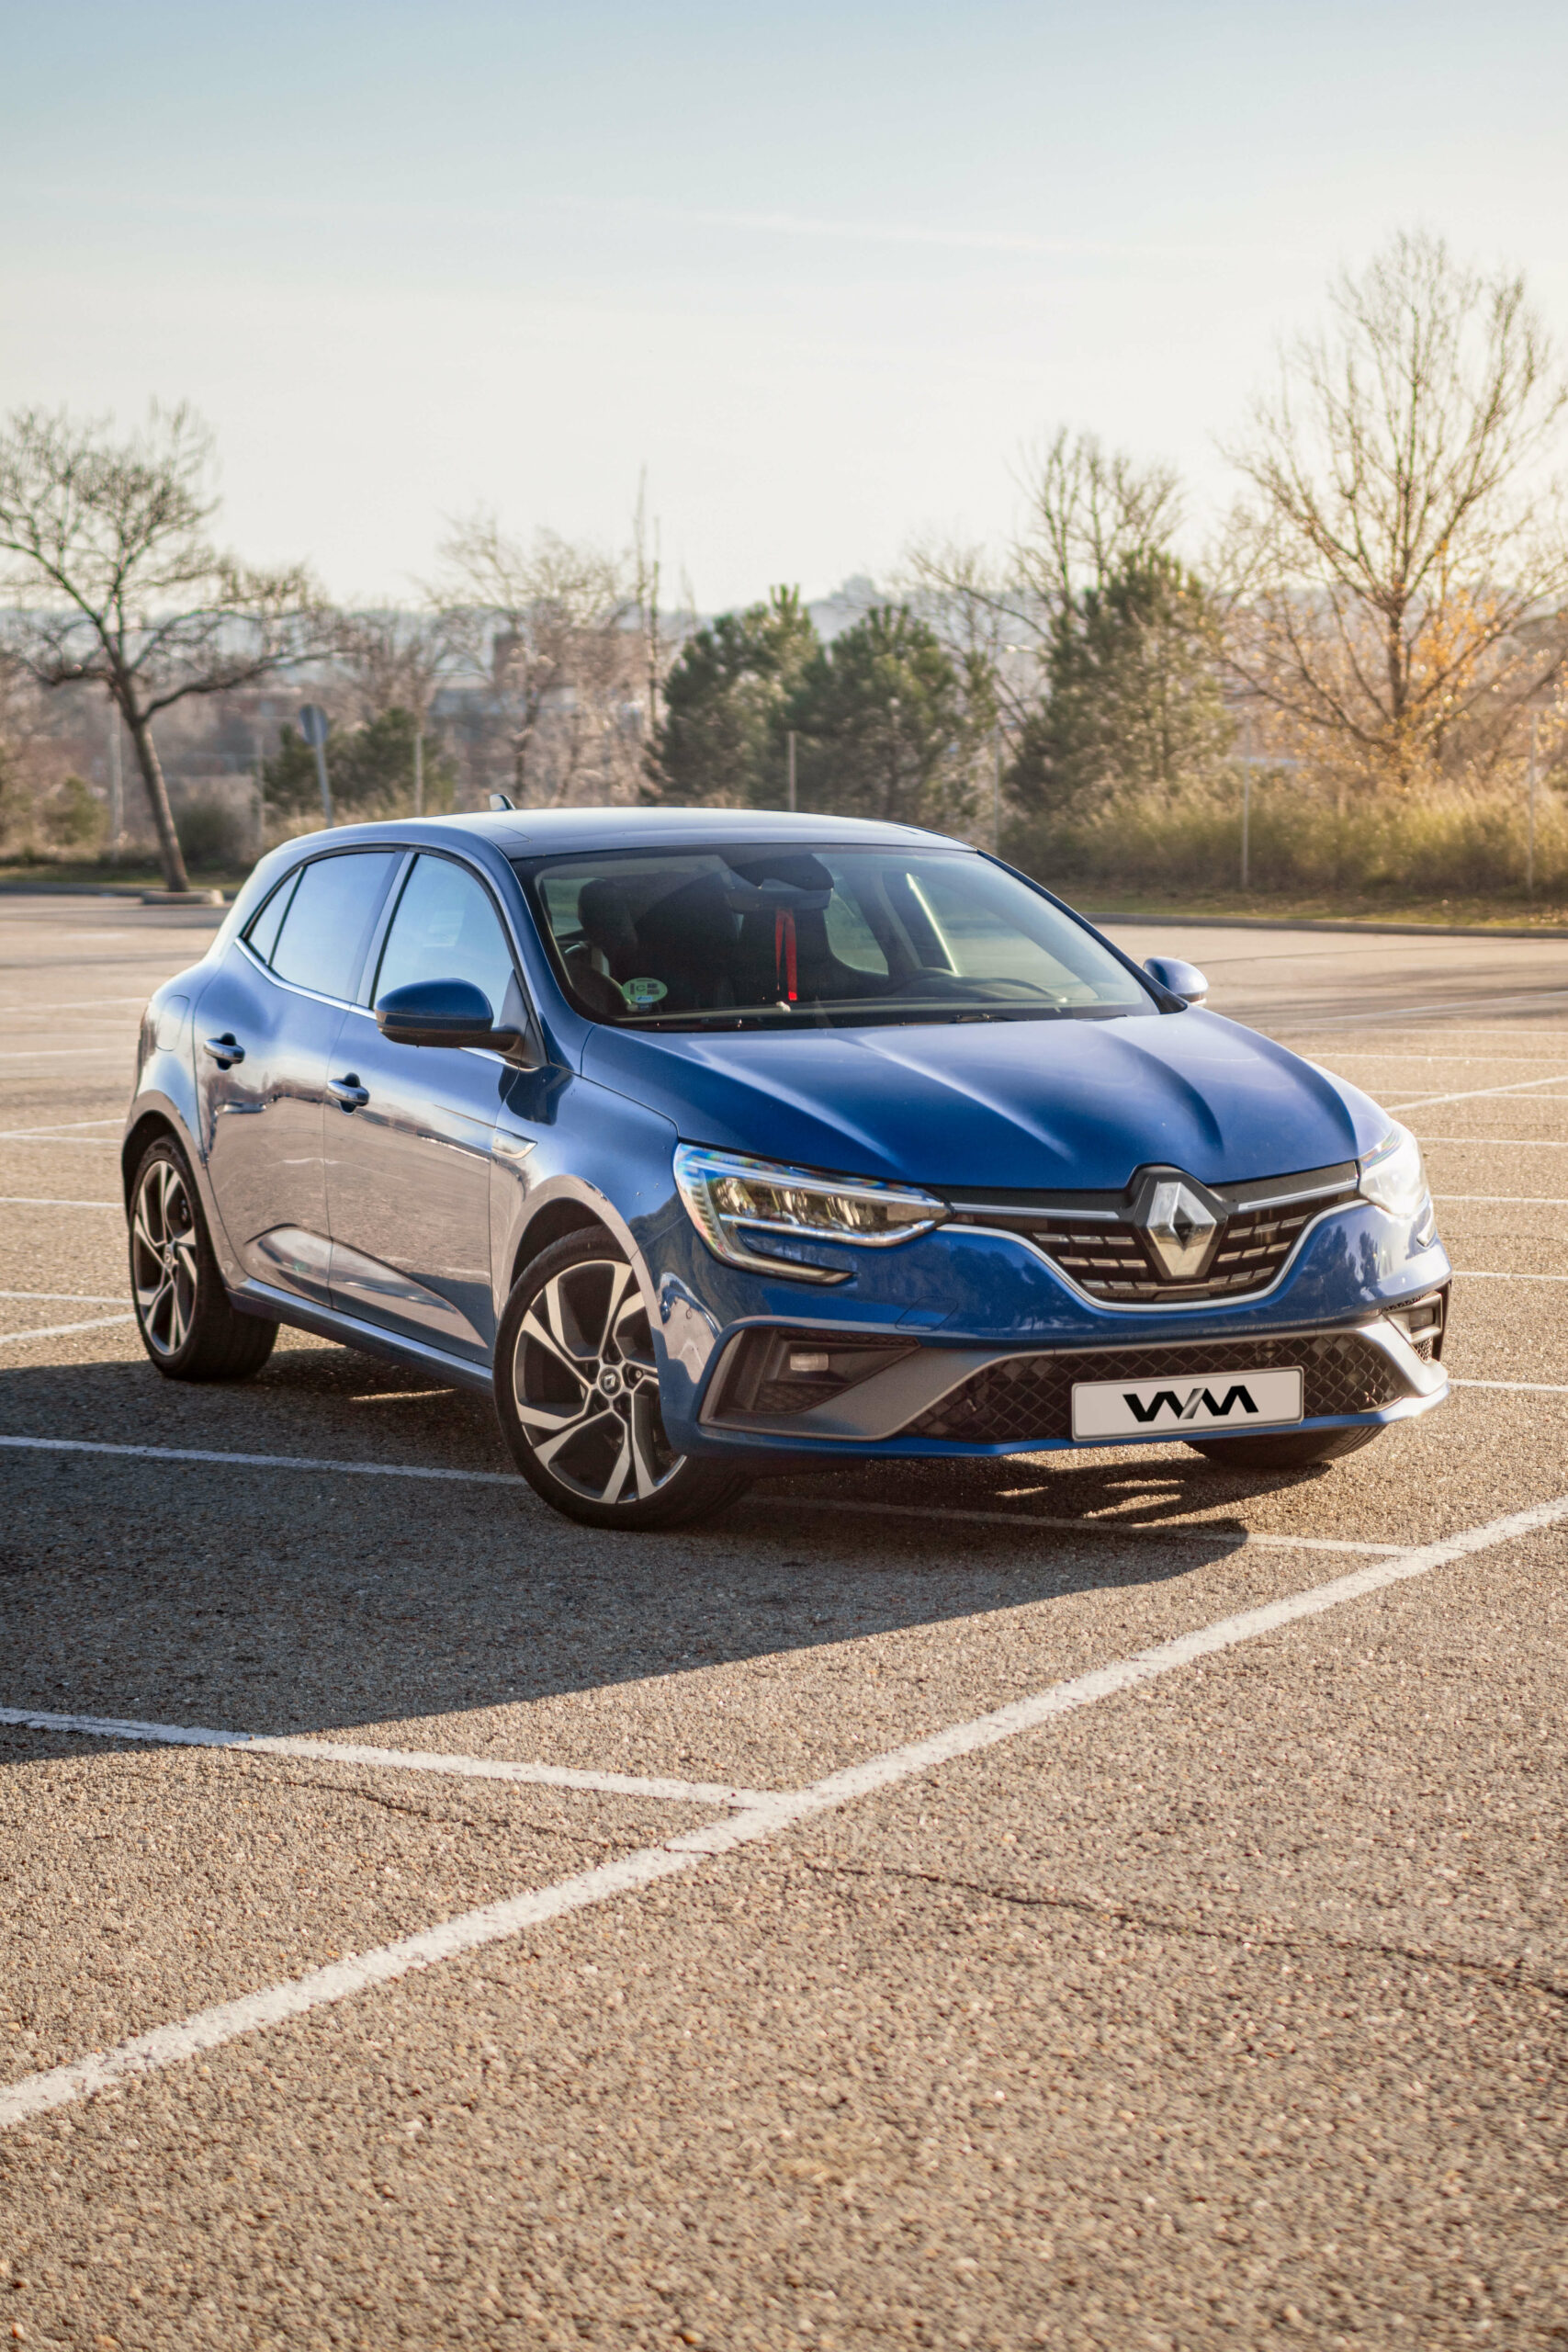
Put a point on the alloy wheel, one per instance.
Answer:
(163, 1259)
(586, 1385)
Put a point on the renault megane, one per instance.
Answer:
(720, 1142)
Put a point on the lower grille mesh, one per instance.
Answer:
(1032, 1396)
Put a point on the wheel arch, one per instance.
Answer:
(148, 1128)
(567, 1213)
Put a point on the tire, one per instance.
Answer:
(576, 1390)
(1292, 1450)
(183, 1311)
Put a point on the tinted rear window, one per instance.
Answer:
(329, 918)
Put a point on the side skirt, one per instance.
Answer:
(327, 1323)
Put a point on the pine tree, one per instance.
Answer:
(1133, 702)
(881, 722)
(720, 742)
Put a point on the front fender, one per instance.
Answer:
(594, 1152)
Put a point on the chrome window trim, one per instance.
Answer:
(389, 915)
(358, 849)
(295, 987)
(1163, 1306)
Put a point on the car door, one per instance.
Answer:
(408, 1154)
(266, 1026)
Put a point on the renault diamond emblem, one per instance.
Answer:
(1180, 1230)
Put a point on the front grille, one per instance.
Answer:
(1025, 1397)
(1104, 1253)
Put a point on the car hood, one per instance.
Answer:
(1026, 1106)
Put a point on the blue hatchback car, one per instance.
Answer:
(717, 1143)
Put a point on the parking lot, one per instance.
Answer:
(1094, 1901)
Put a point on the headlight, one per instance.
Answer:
(729, 1197)
(1393, 1176)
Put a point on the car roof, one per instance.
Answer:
(536, 832)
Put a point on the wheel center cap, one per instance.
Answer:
(610, 1382)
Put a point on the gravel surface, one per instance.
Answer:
(1225, 2008)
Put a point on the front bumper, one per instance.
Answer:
(981, 1343)
(960, 1400)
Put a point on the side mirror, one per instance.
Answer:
(1184, 980)
(442, 1013)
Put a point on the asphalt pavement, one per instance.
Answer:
(1090, 1900)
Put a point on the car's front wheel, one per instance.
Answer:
(576, 1390)
(183, 1311)
(1292, 1450)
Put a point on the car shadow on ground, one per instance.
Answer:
(288, 1600)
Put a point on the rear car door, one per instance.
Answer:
(264, 1030)
(408, 1154)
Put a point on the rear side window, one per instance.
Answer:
(445, 929)
(323, 934)
(263, 933)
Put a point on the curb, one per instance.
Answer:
(1373, 929)
(132, 892)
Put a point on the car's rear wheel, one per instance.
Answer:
(183, 1311)
(576, 1390)
(1292, 1450)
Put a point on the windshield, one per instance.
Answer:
(778, 937)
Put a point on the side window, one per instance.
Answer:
(263, 932)
(445, 929)
(330, 915)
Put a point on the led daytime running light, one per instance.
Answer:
(729, 1196)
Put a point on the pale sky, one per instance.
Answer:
(823, 270)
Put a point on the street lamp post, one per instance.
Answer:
(1529, 842)
(313, 728)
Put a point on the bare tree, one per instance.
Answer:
(1399, 539)
(1088, 512)
(122, 586)
(392, 660)
(550, 624)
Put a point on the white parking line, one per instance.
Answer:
(402, 1760)
(62, 1331)
(1538, 1387)
(63, 1053)
(38, 1200)
(1404, 1054)
(61, 1127)
(1503, 1200)
(1189, 1531)
(259, 1461)
(167, 2045)
(1308, 1025)
(1477, 1274)
(1500, 1143)
(72, 1298)
(1473, 1094)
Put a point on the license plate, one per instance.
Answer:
(1183, 1402)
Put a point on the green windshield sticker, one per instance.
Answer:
(643, 991)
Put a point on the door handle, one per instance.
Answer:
(347, 1092)
(223, 1050)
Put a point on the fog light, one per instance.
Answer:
(810, 1359)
